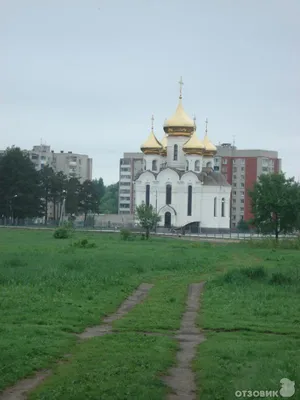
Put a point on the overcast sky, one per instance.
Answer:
(86, 75)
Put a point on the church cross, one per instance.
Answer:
(152, 122)
(206, 123)
(180, 84)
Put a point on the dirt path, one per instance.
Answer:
(20, 390)
(181, 378)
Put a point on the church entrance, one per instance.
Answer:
(167, 219)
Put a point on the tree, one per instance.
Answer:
(89, 199)
(109, 202)
(275, 202)
(100, 188)
(20, 189)
(243, 226)
(47, 180)
(72, 196)
(148, 217)
(58, 189)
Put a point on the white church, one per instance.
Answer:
(178, 178)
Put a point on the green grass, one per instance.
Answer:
(119, 367)
(227, 362)
(50, 289)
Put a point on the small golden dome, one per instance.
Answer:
(164, 143)
(152, 145)
(210, 149)
(194, 145)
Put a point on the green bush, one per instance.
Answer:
(63, 232)
(254, 272)
(126, 234)
(84, 244)
(280, 279)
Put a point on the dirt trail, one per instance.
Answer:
(137, 297)
(20, 390)
(181, 378)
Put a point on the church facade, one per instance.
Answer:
(178, 178)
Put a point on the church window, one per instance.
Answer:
(215, 207)
(223, 207)
(175, 152)
(189, 210)
(168, 194)
(147, 195)
(197, 165)
(186, 165)
(154, 165)
(209, 165)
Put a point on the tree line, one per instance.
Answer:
(28, 193)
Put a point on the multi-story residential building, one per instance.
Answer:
(71, 164)
(241, 169)
(130, 165)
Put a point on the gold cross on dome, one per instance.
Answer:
(152, 122)
(206, 123)
(180, 84)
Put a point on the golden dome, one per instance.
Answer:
(164, 143)
(152, 145)
(210, 149)
(180, 124)
(194, 145)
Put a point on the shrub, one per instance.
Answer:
(254, 272)
(63, 232)
(84, 244)
(279, 279)
(125, 234)
(270, 243)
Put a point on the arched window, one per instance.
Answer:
(168, 194)
(175, 155)
(215, 207)
(189, 208)
(186, 165)
(144, 162)
(154, 165)
(147, 195)
(223, 207)
(209, 165)
(197, 165)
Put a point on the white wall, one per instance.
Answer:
(202, 199)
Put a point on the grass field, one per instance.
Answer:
(250, 312)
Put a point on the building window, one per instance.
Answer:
(223, 207)
(233, 201)
(175, 157)
(234, 176)
(197, 165)
(234, 193)
(242, 176)
(224, 161)
(147, 195)
(242, 161)
(215, 207)
(242, 169)
(189, 210)
(168, 194)
(186, 165)
(242, 200)
(154, 165)
(242, 185)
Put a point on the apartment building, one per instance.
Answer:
(71, 164)
(130, 165)
(241, 169)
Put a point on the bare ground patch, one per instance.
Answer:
(181, 378)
